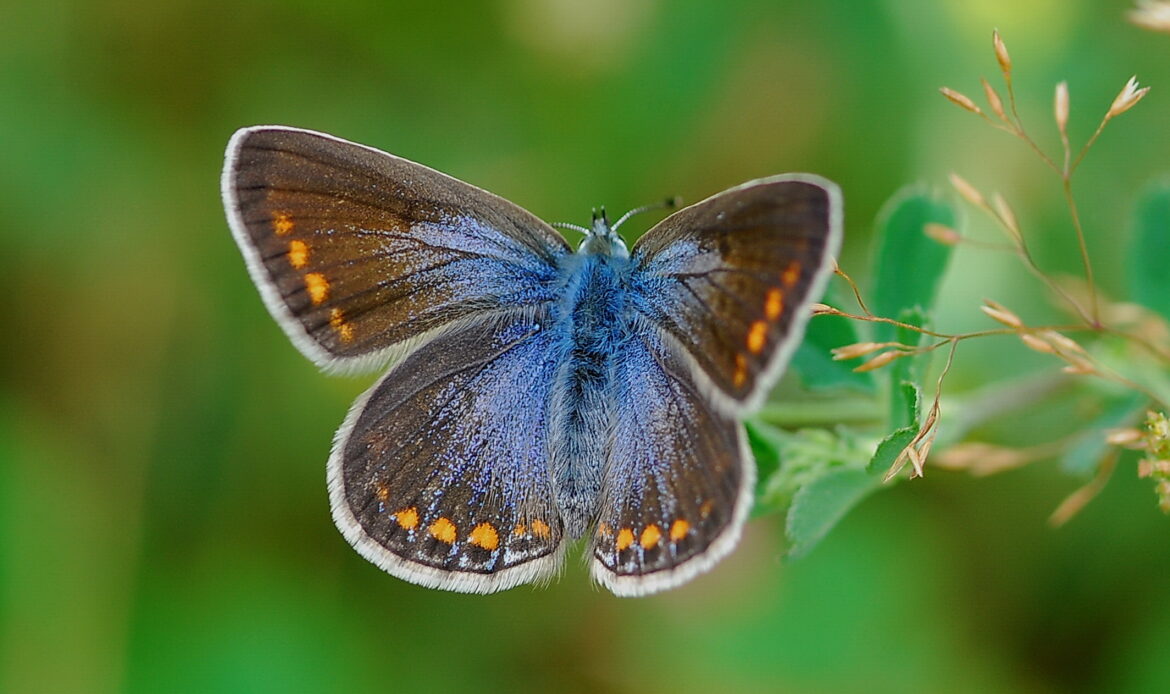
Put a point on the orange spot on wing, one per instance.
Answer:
(757, 336)
(705, 509)
(407, 518)
(679, 530)
(282, 223)
(317, 286)
(774, 304)
(382, 492)
(650, 537)
(484, 535)
(603, 529)
(338, 323)
(519, 530)
(540, 529)
(298, 254)
(625, 538)
(791, 273)
(740, 371)
(443, 530)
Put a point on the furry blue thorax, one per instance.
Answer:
(589, 322)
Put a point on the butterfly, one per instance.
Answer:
(536, 394)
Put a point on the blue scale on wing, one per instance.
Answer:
(447, 464)
(675, 472)
(365, 250)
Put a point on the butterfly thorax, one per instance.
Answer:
(589, 319)
(603, 240)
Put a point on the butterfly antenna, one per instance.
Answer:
(668, 204)
(568, 225)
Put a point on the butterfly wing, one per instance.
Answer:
(360, 255)
(679, 477)
(730, 279)
(439, 474)
(717, 302)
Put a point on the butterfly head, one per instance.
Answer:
(602, 238)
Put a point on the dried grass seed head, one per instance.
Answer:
(1151, 14)
(858, 349)
(1060, 108)
(942, 233)
(1129, 96)
(1036, 344)
(1001, 54)
(1127, 437)
(968, 191)
(993, 100)
(1001, 313)
(1064, 345)
(959, 99)
(1006, 215)
(880, 360)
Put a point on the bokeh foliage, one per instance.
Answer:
(163, 518)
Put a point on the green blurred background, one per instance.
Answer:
(164, 525)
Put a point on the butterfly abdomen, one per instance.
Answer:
(581, 415)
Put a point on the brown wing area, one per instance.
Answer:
(356, 250)
(731, 277)
(678, 479)
(440, 474)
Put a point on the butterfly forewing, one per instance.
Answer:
(730, 278)
(357, 251)
(678, 478)
(440, 473)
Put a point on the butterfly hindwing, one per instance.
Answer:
(730, 279)
(678, 478)
(440, 473)
(358, 252)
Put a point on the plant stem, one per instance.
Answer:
(1030, 263)
(1094, 314)
(1085, 149)
(1022, 133)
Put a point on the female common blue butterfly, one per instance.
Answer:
(537, 394)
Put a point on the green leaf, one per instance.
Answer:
(909, 264)
(1136, 365)
(840, 408)
(815, 364)
(905, 416)
(819, 505)
(905, 404)
(1083, 458)
(789, 460)
(765, 442)
(906, 373)
(888, 450)
(1149, 253)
